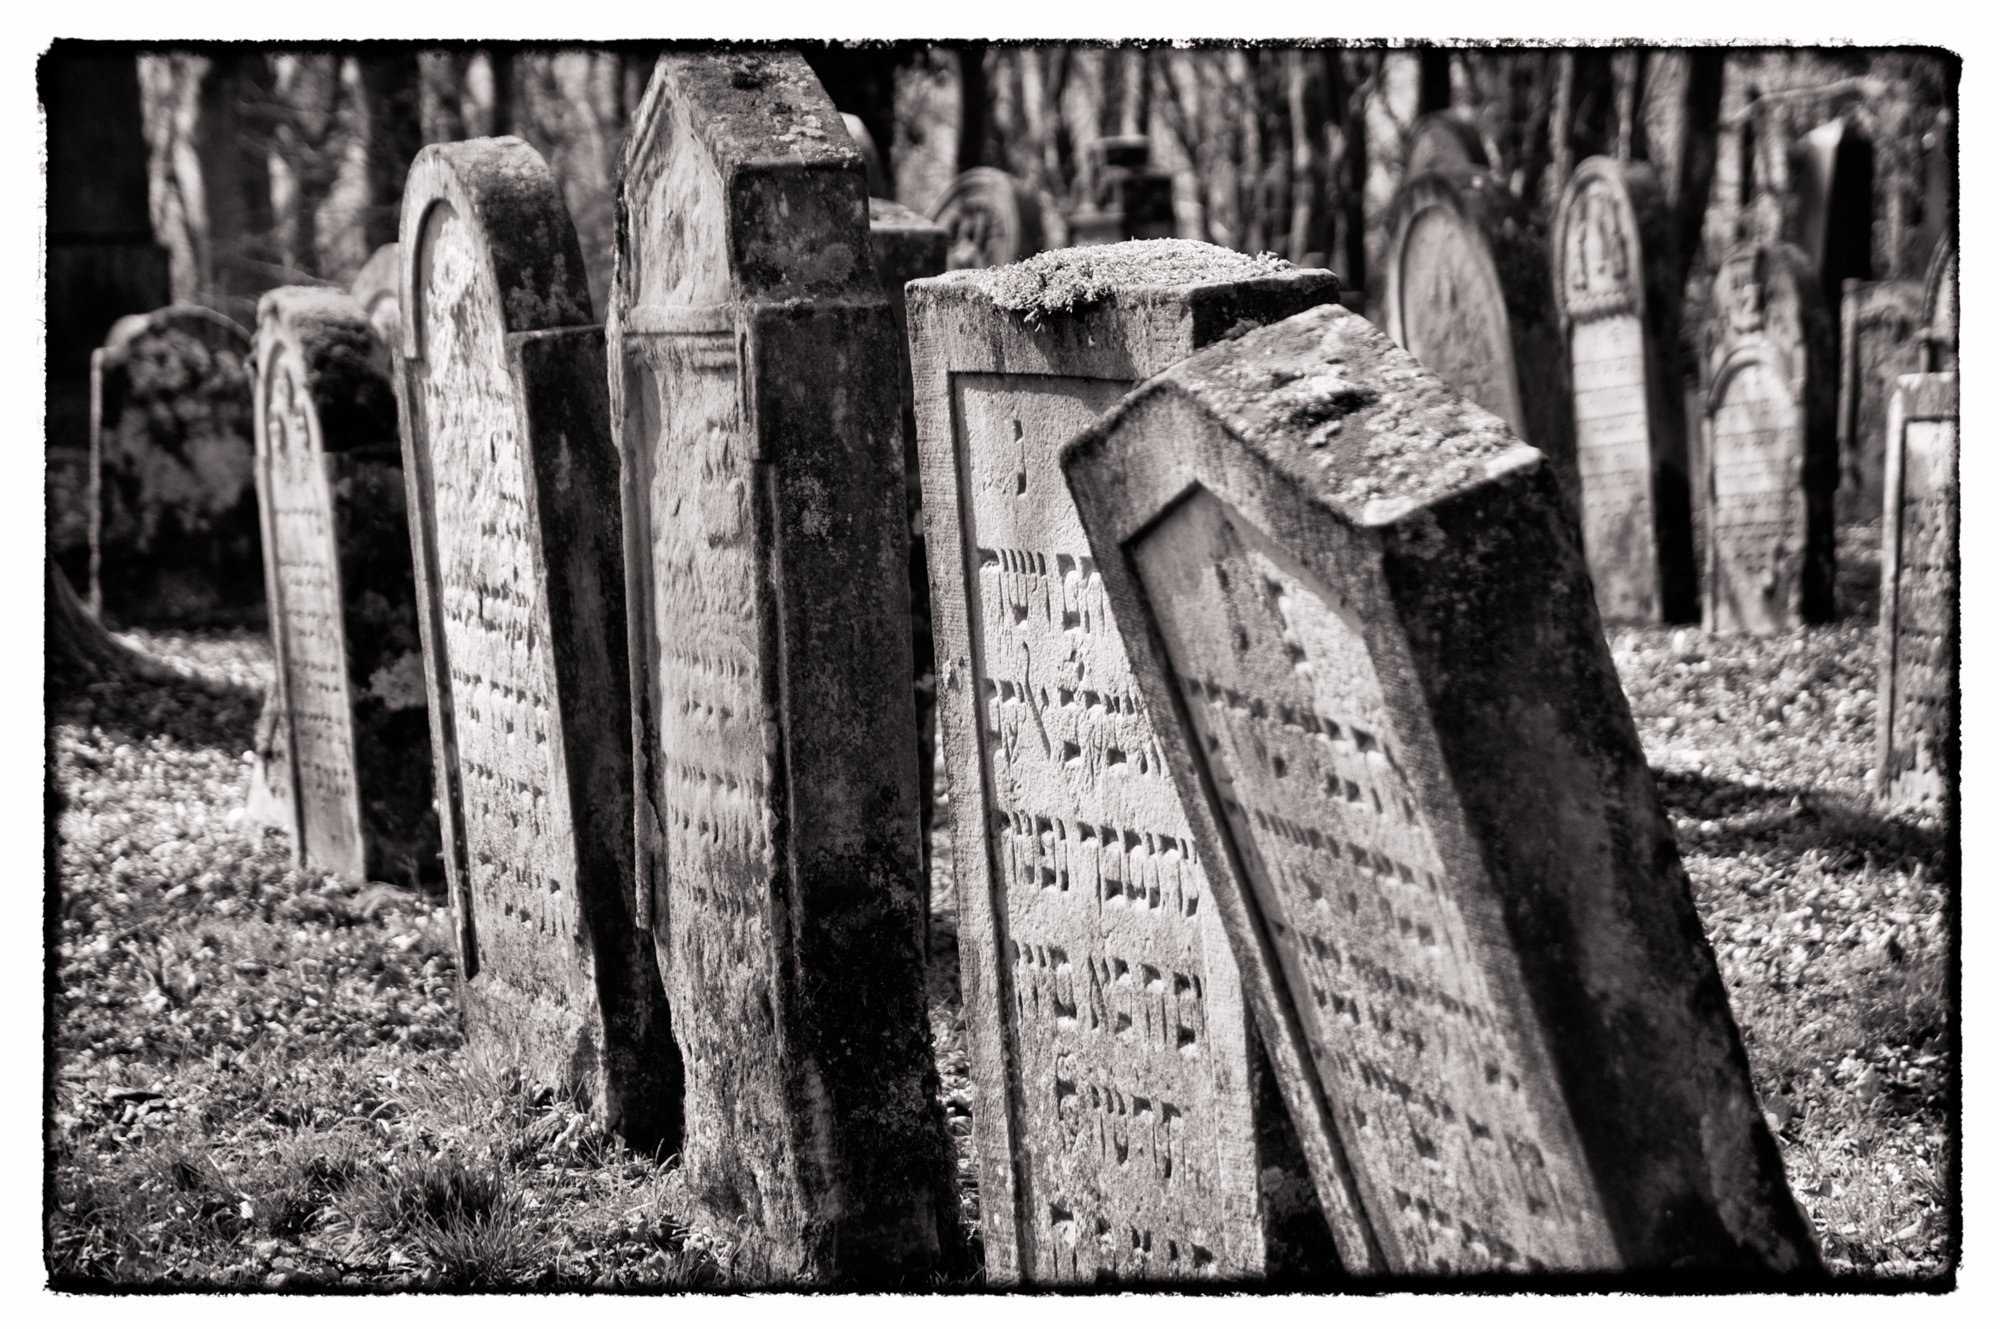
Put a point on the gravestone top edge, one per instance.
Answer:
(1305, 395)
(1641, 202)
(751, 102)
(329, 332)
(186, 317)
(531, 259)
(887, 214)
(1445, 131)
(1767, 303)
(377, 276)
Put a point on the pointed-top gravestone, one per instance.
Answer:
(1916, 704)
(1115, 1129)
(355, 791)
(1358, 604)
(1770, 445)
(1621, 317)
(992, 219)
(754, 386)
(514, 504)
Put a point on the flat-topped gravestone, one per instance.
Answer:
(1916, 705)
(1941, 309)
(174, 525)
(1113, 1130)
(1468, 294)
(1770, 445)
(1881, 339)
(1443, 138)
(377, 288)
(349, 692)
(755, 396)
(992, 219)
(513, 485)
(1417, 790)
(1621, 316)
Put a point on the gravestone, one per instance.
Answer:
(1113, 1131)
(1443, 138)
(1916, 709)
(173, 536)
(1833, 179)
(992, 219)
(754, 391)
(908, 245)
(513, 483)
(1467, 293)
(1941, 309)
(1616, 295)
(1128, 199)
(349, 690)
(1881, 339)
(1417, 790)
(1770, 445)
(871, 156)
(377, 288)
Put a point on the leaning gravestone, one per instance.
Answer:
(1621, 315)
(349, 688)
(173, 537)
(1416, 786)
(377, 289)
(1881, 339)
(1916, 709)
(1770, 446)
(1468, 294)
(992, 219)
(1941, 309)
(513, 496)
(754, 386)
(1114, 1130)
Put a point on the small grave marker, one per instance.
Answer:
(1916, 717)
(1881, 339)
(992, 219)
(377, 288)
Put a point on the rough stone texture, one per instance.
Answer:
(349, 726)
(1881, 339)
(1941, 308)
(755, 394)
(1417, 788)
(173, 538)
(1114, 1131)
(1916, 715)
(513, 483)
(1620, 309)
(1468, 293)
(378, 290)
(1772, 452)
(992, 219)
(1443, 138)
(908, 245)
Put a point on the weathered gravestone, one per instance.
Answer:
(1114, 1132)
(754, 388)
(1620, 310)
(349, 693)
(1881, 339)
(992, 219)
(1833, 183)
(1416, 786)
(1468, 294)
(1443, 138)
(1128, 199)
(1941, 309)
(173, 537)
(514, 503)
(1916, 715)
(1770, 446)
(377, 288)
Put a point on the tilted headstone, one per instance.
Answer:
(173, 537)
(1770, 445)
(754, 388)
(1416, 787)
(1113, 1128)
(513, 482)
(378, 290)
(1916, 706)
(1881, 339)
(1620, 310)
(1443, 138)
(349, 690)
(1941, 309)
(992, 219)
(1468, 294)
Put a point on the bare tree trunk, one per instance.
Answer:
(974, 103)
(392, 107)
(1434, 81)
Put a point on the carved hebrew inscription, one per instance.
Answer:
(1404, 1004)
(1757, 520)
(310, 636)
(1614, 450)
(1919, 765)
(1454, 318)
(1100, 893)
(491, 598)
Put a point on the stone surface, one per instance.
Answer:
(1419, 795)
(1881, 339)
(754, 391)
(1916, 715)
(513, 481)
(378, 290)
(992, 219)
(349, 725)
(174, 534)
(1620, 311)
(1443, 138)
(1114, 1132)
(1941, 308)
(1468, 293)
(1772, 454)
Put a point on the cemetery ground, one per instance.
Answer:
(257, 1077)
